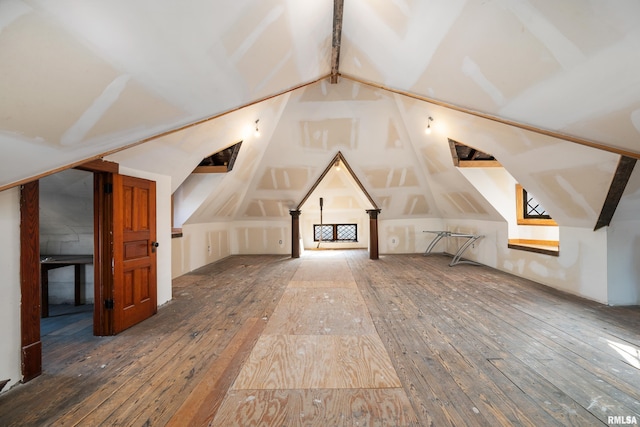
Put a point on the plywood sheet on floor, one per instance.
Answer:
(323, 270)
(320, 407)
(321, 311)
(317, 361)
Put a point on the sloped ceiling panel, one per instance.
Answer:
(83, 78)
(570, 67)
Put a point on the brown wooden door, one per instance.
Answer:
(134, 251)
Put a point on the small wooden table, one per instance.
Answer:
(457, 258)
(50, 262)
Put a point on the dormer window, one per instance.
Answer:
(529, 211)
(219, 162)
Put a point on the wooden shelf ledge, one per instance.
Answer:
(545, 247)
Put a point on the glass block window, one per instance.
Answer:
(336, 232)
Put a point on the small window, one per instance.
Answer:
(335, 232)
(529, 211)
(219, 162)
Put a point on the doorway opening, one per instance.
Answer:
(66, 230)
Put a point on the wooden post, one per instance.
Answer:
(373, 232)
(30, 281)
(295, 233)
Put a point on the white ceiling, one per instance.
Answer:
(79, 79)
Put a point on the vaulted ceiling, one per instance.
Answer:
(537, 84)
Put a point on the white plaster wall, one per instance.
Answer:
(201, 244)
(163, 229)
(177, 258)
(10, 287)
(261, 237)
(402, 236)
(580, 269)
(623, 244)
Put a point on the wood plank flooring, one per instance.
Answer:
(336, 339)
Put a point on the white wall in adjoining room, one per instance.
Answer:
(66, 228)
(10, 364)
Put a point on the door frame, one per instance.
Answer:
(30, 287)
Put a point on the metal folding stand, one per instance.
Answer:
(457, 257)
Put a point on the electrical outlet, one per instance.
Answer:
(209, 249)
(279, 242)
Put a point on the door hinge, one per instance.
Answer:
(108, 304)
(108, 188)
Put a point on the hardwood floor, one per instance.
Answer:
(334, 338)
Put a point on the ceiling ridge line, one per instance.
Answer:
(538, 130)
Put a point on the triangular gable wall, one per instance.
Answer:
(338, 158)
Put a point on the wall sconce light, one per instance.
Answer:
(428, 129)
(337, 165)
(257, 132)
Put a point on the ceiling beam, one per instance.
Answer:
(338, 7)
(618, 184)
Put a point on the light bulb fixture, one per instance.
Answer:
(257, 132)
(428, 129)
(337, 165)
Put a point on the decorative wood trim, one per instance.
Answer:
(479, 164)
(528, 246)
(520, 219)
(295, 233)
(338, 7)
(373, 233)
(103, 252)
(30, 281)
(618, 184)
(338, 157)
(535, 242)
(210, 169)
(454, 107)
(162, 134)
(99, 165)
(454, 152)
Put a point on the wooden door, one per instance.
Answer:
(134, 251)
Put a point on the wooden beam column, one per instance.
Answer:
(373, 232)
(295, 232)
(30, 281)
(618, 184)
(338, 7)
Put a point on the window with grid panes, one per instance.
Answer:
(336, 232)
